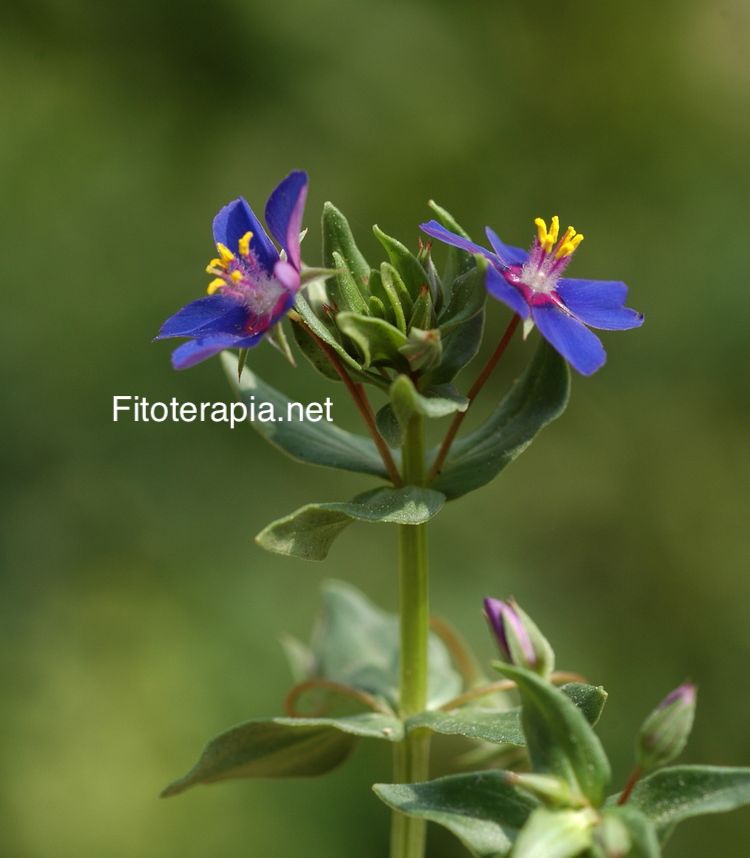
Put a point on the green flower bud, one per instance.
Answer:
(423, 350)
(518, 637)
(665, 732)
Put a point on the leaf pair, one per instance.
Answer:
(356, 645)
(487, 813)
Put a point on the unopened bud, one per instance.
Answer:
(665, 732)
(423, 350)
(518, 637)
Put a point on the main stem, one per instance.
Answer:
(411, 756)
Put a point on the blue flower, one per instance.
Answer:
(254, 284)
(532, 285)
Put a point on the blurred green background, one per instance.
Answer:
(138, 618)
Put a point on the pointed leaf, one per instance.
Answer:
(481, 809)
(326, 332)
(460, 346)
(337, 237)
(423, 314)
(314, 354)
(309, 532)
(459, 261)
(343, 289)
(503, 727)
(285, 747)
(555, 834)
(404, 261)
(356, 643)
(537, 398)
(406, 401)
(590, 699)
(467, 299)
(672, 795)
(559, 738)
(397, 294)
(378, 340)
(320, 443)
(266, 749)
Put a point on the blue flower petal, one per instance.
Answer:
(195, 351)
(236, 219)
(599, 303)
(499, 288)
(284, 213)
(507, 254)
(439, 232)
(208, 315)
(575, 342)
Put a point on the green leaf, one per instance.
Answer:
(473, 722)
(343, 289)
(266, 749)
(423, 314)
(460, 345)
(555, 833)
(284, 748)
(397, 294)
(459, 261)
(559, 738)
(312, 351)
(467, 298)
(540, 395)
(323, 331)
(338, 238)
(321, 443)
(503, 727)
(377, 308)
(309, 532)
(406, 401)
(481, 809)
(672, 795)
(357, 644)
(627, 832)
(590, 699)
(389, 427)
(404, 261)
(378, 340)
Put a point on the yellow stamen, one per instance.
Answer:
(542, 234)
(554, 229)
(567, 247)
(244, 244)
(236, 276)
(214, 285)
(224, 252)
(215, 266)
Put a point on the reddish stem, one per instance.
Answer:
(635, 776)
(472, 395)
(361, 400)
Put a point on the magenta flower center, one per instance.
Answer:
(548, 258)
(240, 276)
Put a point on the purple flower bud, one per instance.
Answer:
(519, 640)
(665, 732)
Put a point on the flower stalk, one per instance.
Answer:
(479, 383)
(411, 756)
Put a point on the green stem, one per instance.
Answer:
(411, 756)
